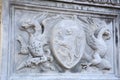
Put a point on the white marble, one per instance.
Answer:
(60, 40)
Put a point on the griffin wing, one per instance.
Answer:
(89, 28)
(92, 41)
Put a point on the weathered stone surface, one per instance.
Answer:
(60, 39)
(68, 42)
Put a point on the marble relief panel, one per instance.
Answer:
(49, 42)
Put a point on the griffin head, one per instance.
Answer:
(107, 34)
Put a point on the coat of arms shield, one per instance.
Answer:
(68, 42)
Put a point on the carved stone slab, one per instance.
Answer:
(60, 40)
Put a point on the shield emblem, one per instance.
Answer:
(68, 42)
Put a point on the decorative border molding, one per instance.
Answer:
(79, 2)
(114, 2)
(10, 9)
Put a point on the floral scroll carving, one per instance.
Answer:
(60, 40)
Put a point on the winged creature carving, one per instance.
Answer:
(37, 45)
(96, 37)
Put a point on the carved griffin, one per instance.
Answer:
(66, 39)
(37, 45)
(96, 37)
